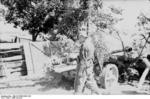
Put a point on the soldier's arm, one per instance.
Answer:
(85, 53)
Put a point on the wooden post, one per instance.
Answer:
(28, 59)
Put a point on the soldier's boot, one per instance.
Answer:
(80, 85)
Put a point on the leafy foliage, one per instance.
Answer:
(144, 22)
(33, 15)
(55, 17)
(43, 16)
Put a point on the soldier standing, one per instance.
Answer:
(85, 74)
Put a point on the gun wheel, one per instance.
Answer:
(110, 76)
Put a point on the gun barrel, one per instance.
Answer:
(116, 51)
(121, 50)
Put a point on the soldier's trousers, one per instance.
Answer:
(86, 80)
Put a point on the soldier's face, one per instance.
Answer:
(81, 39)
(82, 30)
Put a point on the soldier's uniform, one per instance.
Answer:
(85, 73)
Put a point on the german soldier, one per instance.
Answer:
(85, 74)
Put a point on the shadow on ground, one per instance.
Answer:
(134, 93)
(54, 80)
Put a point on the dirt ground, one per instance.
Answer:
(57, 86)
(121, 90)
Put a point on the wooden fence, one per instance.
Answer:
(12, 60)
(25, 61)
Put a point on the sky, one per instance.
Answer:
(132, 8)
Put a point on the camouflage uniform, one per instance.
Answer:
(85, 73)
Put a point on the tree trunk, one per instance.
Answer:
(34, 36)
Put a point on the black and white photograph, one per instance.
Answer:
(74, 47)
